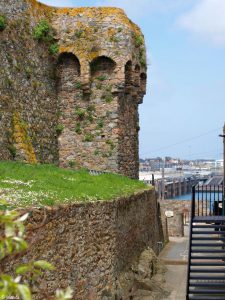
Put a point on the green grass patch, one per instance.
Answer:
(2, 23)
(24, 185)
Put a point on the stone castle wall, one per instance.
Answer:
(92, 244)
(181, 215)
(28, 111)
(78, 108)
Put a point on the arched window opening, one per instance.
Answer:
(128, 73)
(68, 71)
(102, 66)
(143, 79)
(137, 75)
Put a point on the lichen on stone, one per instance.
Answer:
(22, 139)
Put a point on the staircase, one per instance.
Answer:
(206, 266)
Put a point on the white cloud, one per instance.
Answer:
(207, 20)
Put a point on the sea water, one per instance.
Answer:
(204, 196)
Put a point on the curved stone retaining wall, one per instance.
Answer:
(91, 244)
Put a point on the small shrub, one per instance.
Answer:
(111, 144)
(98, 86)
(78, 85)
(90, 111)
(42, 30)
(100, 124)
(88, 137)
(143, 62)
(139, 41)
(78, 33)
(59, 129)
(108, 88)
(120, 29)
(2, 23)
(36, 84)
(91, 108)
(72, 164)
(102, 77)
(54, 49)
(80, 113)
(8, 82)
(28, 72)
(90, 117)
(9, 58)
(142, 57)
(78, 128)
(17, 66)
(96, 152)
(108, 98)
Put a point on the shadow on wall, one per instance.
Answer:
(102, 66)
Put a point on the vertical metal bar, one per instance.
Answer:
(214, 198)
(210, 201)
(198, 199)
(218, 197)
(206, 199)
(193, 203)
(223, 200)
(202, 201)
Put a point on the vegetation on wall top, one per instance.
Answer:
(44, 32)
(26, 185)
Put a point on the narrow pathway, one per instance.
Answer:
(175, 256)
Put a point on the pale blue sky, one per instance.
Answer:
(185, 42)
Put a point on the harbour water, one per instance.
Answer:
(183, 197)
(213, 196)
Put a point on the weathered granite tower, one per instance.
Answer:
(78, 107)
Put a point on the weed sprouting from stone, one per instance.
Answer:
(54, 49)
(2, 23)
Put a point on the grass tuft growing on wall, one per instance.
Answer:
(25, 185)
(2, 23)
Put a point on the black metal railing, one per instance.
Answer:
(208, 200)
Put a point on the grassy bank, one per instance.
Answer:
(26, 185)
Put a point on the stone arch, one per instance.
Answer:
(143, 81)
(69, 89)
(68, 71)
(102, 66)
(128, 73)
(137, 71)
